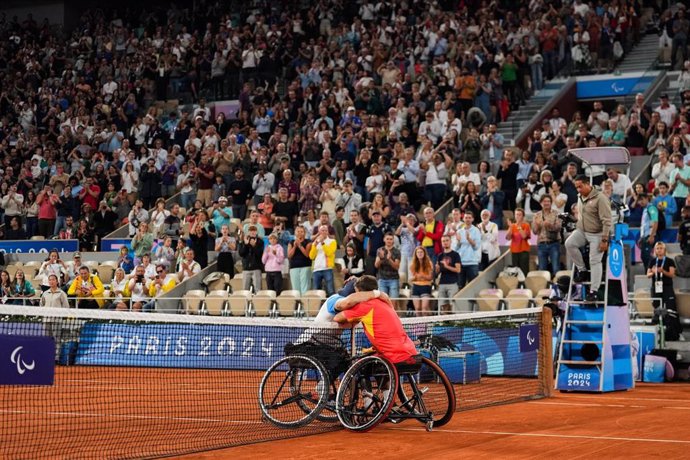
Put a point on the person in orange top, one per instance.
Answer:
(381, 325)
(466, 84)
(519, 233)
(266, 210)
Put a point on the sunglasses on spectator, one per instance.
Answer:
(159, 271)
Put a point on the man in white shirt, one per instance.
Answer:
(437, 178)
(492, 144)
(188, 267)
(137, 289)
(556, 121)
(598, 120)
(667, 111)
(348, 200)
(621, 184)
(469, 176)
(451, 124)
(430, 128)
(262, 183)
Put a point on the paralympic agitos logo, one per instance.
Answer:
(22, 366)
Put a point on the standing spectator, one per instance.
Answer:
(593, 228)
(205, 174)
(493, 200)
(309, 194)
(598, 120)
(47, 214)
(436, 179)
(407, 232)
(13, 204)
(387, 264)
(449, 266)
(142, 242)
(662, 270)
(240, 191)
(429, 234)
(519, 235)
(667, 111)
(508, 174)
(468, 245)
(681, 31)
(262, 183)
(649, 228)
(665, 203)
(354, 265)
(349, 200)
(661, 171)
(489, 232)
(322, 254)
(375, 233)
(199, 236)
(421, 277)
(251, 250)
(272, 259)
(225, 246)
(547, 226)
(680, 181)
(150, 184)
(54, 297)
(300, 262)
(548, 38)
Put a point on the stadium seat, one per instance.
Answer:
(239, 302)
(311, 301)
(560, 273)
(192, 301)
(12, 269)
(216, 302)
(31, 268)
(287, 302)
(537, 280)
(93, 266)
(489, 299)
(105, 273)
(182, 213)
(506, 283)
(219, 284)
(236, 283)
(262, 302)
(518, 298)
(109, 263)
(542, 297)
(38, 238)
(643, 303)
(683, 305)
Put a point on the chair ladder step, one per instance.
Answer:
(583, 363)
(579, 321)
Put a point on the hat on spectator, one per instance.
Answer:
(77, 254)
(222, 198)
(351, 108)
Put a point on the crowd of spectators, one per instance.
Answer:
(353, 118)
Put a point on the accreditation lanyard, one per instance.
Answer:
(658, 283)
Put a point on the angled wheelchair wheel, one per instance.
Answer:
(428, 395)
(366, 393)
(328, 413)
(293, 391)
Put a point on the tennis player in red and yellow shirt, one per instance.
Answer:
(381, 325)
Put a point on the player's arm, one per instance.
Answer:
(358, 297)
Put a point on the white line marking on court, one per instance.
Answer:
(547, 435)
(147, 388)
(126, 416)
(629, 398)
(587, 404)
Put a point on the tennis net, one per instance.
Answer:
(106, 384)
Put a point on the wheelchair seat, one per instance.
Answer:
(411, 366)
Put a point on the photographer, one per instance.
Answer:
(262, 183)
(592, 229)
(137, 289)
(387, 264)
(251, 250)
(136, 216)
(88, 288)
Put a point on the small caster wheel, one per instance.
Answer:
(429, 425)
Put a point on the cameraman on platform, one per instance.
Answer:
(592, 229)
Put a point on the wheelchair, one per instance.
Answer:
(367, 392)
(358, 391)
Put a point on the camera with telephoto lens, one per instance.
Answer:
(568, 221)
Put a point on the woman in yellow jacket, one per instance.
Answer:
(323, 254)
(88, 288)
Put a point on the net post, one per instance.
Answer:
(546, 348)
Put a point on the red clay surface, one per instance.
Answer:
(650, 421)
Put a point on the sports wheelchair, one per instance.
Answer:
(320, 381)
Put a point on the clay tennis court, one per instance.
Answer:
(650, 421)
(106, 412)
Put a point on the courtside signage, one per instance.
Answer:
(27, 360)
(578, 378)
(33, 246)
